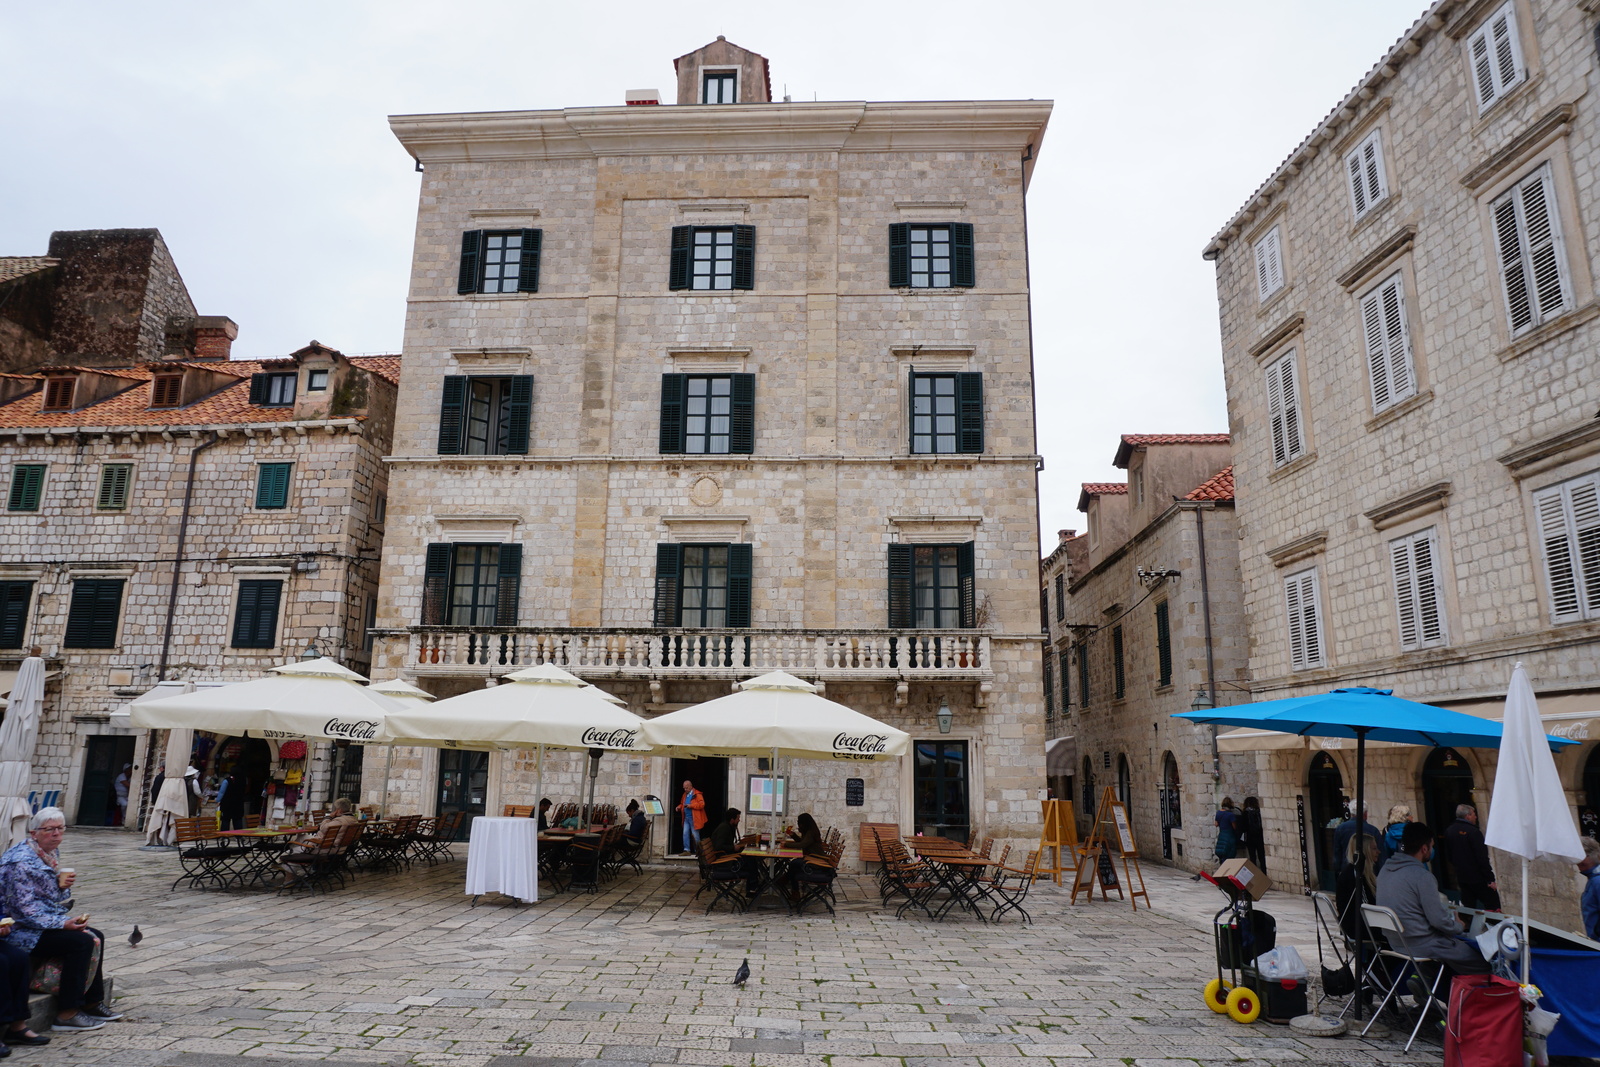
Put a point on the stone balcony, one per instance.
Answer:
(836, 655)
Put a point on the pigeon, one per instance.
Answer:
(135, 937)
(742, 975)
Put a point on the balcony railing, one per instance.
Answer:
(838, 654)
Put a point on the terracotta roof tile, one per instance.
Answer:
(1105, 488)
(385, 367)
(12, 267)
(1218, 487)
(1131, 441)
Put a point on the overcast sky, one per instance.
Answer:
(254, 137)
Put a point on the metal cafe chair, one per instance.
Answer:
(1386, 924)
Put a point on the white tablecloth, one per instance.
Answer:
(503, 857)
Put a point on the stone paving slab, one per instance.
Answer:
(399, 970)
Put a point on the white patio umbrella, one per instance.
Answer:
(541, 707)
(775, 714)
(396, 688)
(1528, 812)
(19, 737)
(172, 802)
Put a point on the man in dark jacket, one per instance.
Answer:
(1407, 888)
(1469, 858)
(1347, 830)
(725, 842)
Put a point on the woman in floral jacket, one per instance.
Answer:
(37, 894)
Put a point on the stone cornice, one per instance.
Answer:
(850, 126)
(1370, 264)
(1552, 450)
(1411, 505)
(1298, 549)
(1552, 124)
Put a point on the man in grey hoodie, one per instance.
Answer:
(1408, 888)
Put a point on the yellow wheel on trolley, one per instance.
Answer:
(1243, 1005)
(1217, 995)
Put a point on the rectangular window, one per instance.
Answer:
(1061, 597)
(272, 486)
(932, 586)
(486, 416)
(92, 615)
(1388, 339)
(1569, 531)
(14, 600)
(58, 394)
(166, 390)
(1301, 599)
(1269, 264)
(255, 620)
(1119, 673)
(499, 261)
(27, 487)
(923, 256)
(1416, 590)
(471, 585)
(1163, 645)
(1064, 669)
(1283, 409)
(272, 390)
(712, 258)
(1082, 652)
(720, 87)
(1369, 186)
(1533, 263)
(703, 585)
(946, 413)
(1049, 689)
(367, 636)
(708, 414)
(115, 479)
(1496, 57)
(316, 381)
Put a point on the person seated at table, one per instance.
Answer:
(807, 837)
(544, 814)
(16, 972)
(37, 893)
(343, 814)
(726, 844)
(637, 823)
(1407, 887)
(572, 822)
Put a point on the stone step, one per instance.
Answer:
(42, 1007)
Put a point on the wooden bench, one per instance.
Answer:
(518, 811)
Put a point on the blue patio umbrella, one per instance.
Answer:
(1361, 713)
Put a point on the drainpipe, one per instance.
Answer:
(1205, 612)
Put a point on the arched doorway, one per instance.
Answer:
(1125, 783)
(1589, 813)
(1446, 782)
(1170, 803)
(1325, 785)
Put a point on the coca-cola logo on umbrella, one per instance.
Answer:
(619, 738)
(363, 730)
(859, 746)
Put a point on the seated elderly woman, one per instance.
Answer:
(343, 814)
(37, 893)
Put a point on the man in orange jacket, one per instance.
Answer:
(692, 810)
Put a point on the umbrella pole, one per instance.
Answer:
(772, 816)
(1527, 951)
(539, 778)
(388, 757)
(1361, 860)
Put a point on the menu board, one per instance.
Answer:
(1119, 815)
(855, 792)
(766, 795)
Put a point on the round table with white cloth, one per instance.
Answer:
(503, 857)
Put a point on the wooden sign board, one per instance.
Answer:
(1060, 836)
(1119, 816)
(1110, 832)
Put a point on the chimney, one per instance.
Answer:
(642, 96)
(214, 336)
(1066, 535)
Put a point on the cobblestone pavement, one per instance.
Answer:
(400, 969)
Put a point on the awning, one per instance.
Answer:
(1060, 755)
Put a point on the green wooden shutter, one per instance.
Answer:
(519, 414)
(1064, 668)
(1083, 674)
(902, 609)
(92, 615)
(678, 269)
(669, 566)
(969, 411)
(452, 411)
(744, 257)
(528, 269)
(244, 615)
(739, 585)
(255, 622)
(471, 253)
(272, 486)
(510, 585)
(966, 576)
(672, 425)
(742, 414)
(1119, 674)
(27, 481)
(14, 599)
(113, 494)
(258, 388)
(962, 271)
(436, 584)
(1049, 688)
(899, 255)
(1163, 645)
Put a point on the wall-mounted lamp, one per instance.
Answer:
(945, 717)
(311, 651)
(1202, 700)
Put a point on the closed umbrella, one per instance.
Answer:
(19, 737)
(1528, 812)
(172, 802)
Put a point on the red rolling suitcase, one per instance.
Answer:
(1485, 1024)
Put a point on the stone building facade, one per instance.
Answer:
(1408, 326)
(1145, 618)
(188, 519)
(661, 426)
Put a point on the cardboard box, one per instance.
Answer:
(1244, 876)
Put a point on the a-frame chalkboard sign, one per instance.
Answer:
(1110, 835)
